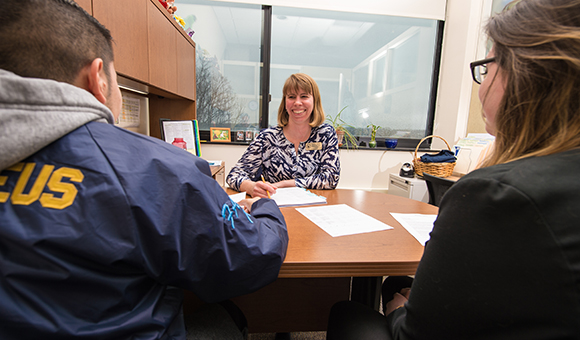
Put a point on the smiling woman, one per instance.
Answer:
(301, 151)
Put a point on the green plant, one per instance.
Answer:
(374, 129)
(341, 129)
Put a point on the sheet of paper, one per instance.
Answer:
(418, 225)
(214, 163)
(341, 219)
(286, 197)
(130, 112)
(238, 197)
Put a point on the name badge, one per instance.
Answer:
(313, 146)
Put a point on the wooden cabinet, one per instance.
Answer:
(185, 69)
(162, 51)
(149, 45)
(153, 50)
(127, 21)
(171, 54)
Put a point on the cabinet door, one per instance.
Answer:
(127, 21)
(185, 68)
(86, 5)
(162, 51)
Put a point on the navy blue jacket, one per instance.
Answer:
(101, 230)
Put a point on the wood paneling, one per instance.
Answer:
(185, 68)
(162, 51)
(127, 21)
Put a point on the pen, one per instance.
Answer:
(263, 180)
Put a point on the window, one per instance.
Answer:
(228, 39)
(381, 68)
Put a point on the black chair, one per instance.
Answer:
(437, 187)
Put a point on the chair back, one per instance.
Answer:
(437, 187)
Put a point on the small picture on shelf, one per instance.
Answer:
(249, 136)
(240, 136)
(218, 134)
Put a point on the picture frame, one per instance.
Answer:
(186, 129)
(240, 136)
(219, 134)
(249, 136)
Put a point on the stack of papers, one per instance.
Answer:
(286, 197)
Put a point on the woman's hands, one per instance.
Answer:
(261, 189)
(258, 189)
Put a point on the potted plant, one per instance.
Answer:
(341, 129)
(374, 128)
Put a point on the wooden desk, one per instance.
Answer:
(218, 173)
(314, 253)
(318, 268)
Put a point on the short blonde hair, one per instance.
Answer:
(301, 81)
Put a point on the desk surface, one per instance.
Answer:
(318, 267)
(314, 253)
(216, 168)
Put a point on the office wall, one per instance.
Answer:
(462, 43)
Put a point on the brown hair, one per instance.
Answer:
(52, 39)
(301, 81)
(537, 48)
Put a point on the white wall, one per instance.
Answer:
(366, 169)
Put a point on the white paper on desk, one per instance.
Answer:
(292, 196)
(341, 219)
(238, 197)
(418, 225)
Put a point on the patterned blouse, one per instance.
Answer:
(315, 166)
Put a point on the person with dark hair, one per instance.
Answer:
(101, 228)
(302, 151)
(503, 260)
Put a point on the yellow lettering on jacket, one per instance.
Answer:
(4, 195)
(18, 195)
(69, 191)
(47, 178)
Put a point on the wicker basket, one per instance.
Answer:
(435, 169)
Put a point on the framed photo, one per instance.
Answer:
(218, 134)
(240, 136)
(186, 129)
(249, 136)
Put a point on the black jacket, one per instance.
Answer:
(503, 261)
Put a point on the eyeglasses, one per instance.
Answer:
(479, 69)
